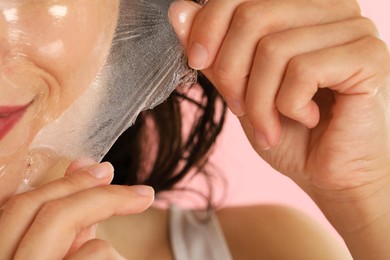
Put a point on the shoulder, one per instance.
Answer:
(276, 232)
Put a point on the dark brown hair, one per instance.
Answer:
(157, 152)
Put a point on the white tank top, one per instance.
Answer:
(196, 235)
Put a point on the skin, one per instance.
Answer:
(41, 66)
(310, 77)
(252, 232)
(63, 209)
(268, 68)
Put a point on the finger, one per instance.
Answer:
(252, 21)
(272, 56)
(82, 237)
(208, 31)
(79, 164)
(349, 70)
(181, 15)
(95, 249)
(20, 210)
(64, 218)
(258, 17)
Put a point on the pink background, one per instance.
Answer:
(252, 181)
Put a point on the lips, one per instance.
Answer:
(9, 116)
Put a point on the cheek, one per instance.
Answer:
(50, 52)
(75, 44)
(66, 46)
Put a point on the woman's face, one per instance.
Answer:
(50, 53)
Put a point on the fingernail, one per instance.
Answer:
(235, 106)
(198, 56)
(101, 171)
(262, 140)
(143, 190)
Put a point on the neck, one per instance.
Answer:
(142, 236)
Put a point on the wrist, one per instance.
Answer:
(361, 216)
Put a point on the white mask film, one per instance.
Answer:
(144, 63)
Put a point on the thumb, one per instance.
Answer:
(182, 14)
(79, 164)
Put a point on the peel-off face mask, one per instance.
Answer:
(75, 74)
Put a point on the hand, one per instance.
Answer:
(308, 79)
(58, 220)
(310, 83)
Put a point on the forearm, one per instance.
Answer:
(362, 218)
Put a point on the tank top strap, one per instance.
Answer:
(196, 235)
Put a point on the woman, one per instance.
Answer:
(268, 59)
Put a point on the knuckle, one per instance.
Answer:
(270, 46)
(298, 68)
(377, 43)
(245, 13)
(302, 70)
(293, 110)
(376, 48)
(249, 14)
(290, 107)
(368, 25)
